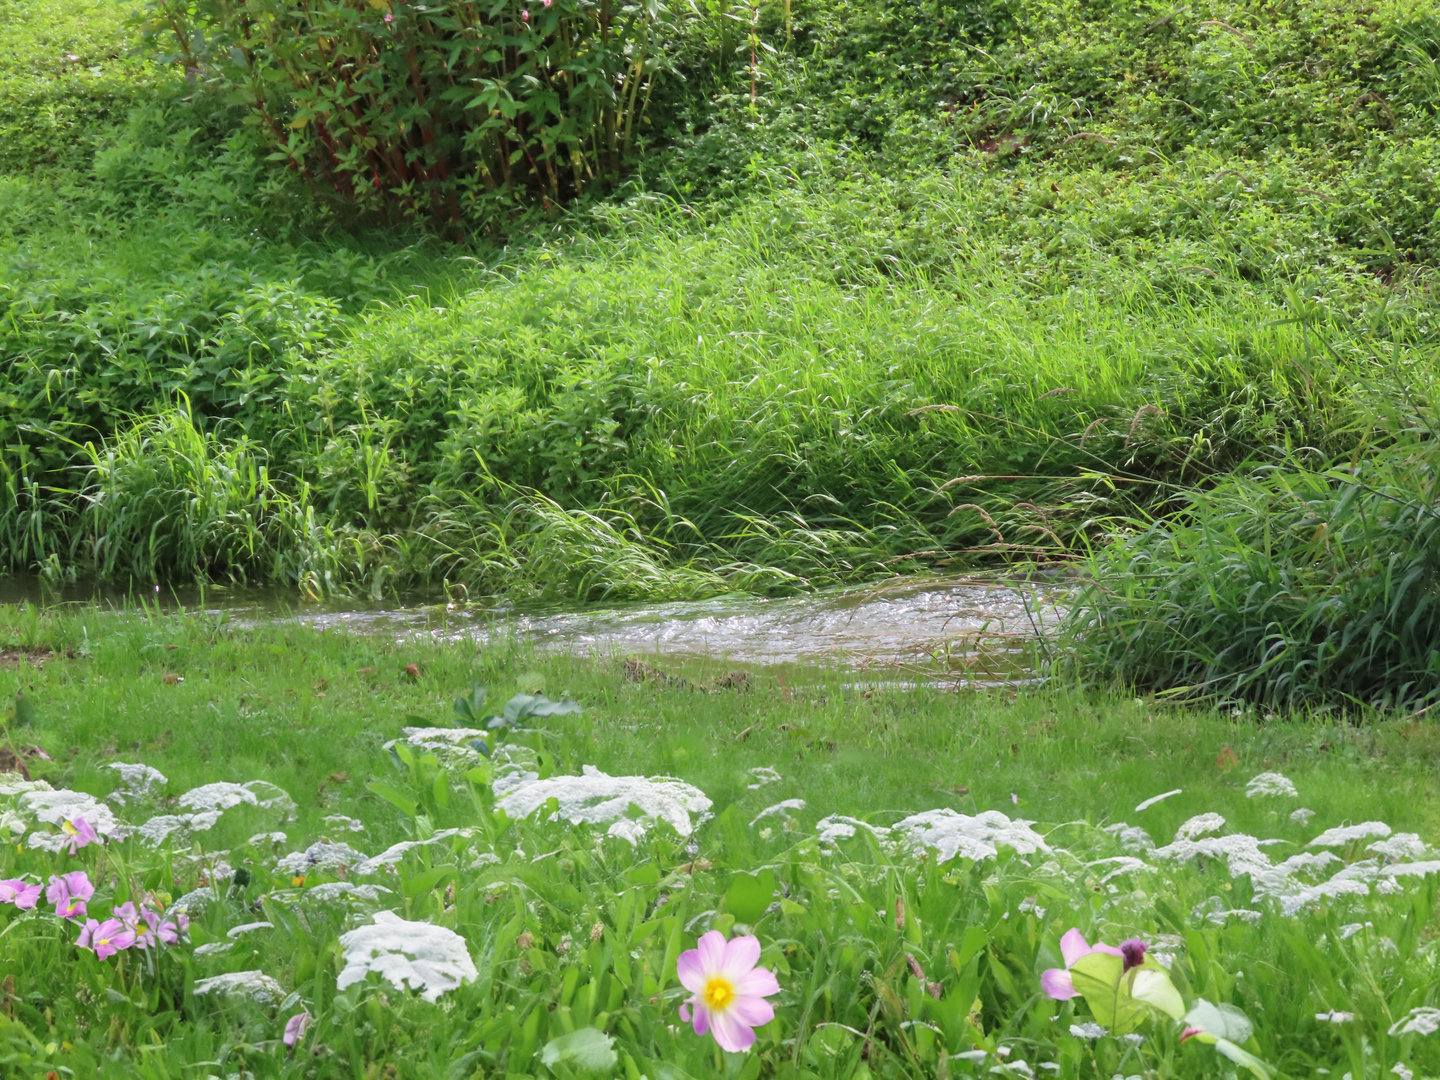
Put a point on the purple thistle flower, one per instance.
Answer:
(1134, 952)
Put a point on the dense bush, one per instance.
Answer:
(441, 111)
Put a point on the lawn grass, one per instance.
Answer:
(310, 710)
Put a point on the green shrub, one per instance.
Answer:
(437, 111)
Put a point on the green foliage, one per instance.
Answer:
(1286, 588)
(444, 111)
(891, 961)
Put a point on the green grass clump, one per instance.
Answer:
(1285, 588)
(891, 962)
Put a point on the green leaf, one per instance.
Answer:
(25, 711)
(397, 797)
(423, 883)
(749, 895)
(1242, 1057)
(471, 709)
(441, 789)
(1222, 1021)
(1153, 987)
(587, 1049)
(522, 705)
(1098, 978)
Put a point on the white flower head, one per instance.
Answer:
(415, 955)
(1269, 785)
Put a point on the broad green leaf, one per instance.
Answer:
(523, 705)
(423, 883)
(1240, 1056)
(587, 1049)
(749, 895)
(1222, 1021)
(1153, 987)
(1098, 977)
(395, 796)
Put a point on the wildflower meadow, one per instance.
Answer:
(506, 908)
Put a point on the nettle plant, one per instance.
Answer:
(449, 109)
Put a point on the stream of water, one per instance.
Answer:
(969, 631)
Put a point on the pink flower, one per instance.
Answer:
(389, 18)
(547, 3)
(80, 832)
(167, 931)
(20, 893)
(107, 938)
(728, 990)
(525, 16)
(68, 893)
(295, 1028)
(1056, 981)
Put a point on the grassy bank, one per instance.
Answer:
(309, 711)
(707, 382)
(993, 282)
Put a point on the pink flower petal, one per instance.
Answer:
(751, 1011)
(730, 1033)
(1073, 946)
(685, 1010)
(711, 948)
(702, 1019)
(759, 982)
(1056, 983)
(741, 956)
(691, 971)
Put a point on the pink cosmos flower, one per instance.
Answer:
(20, 893)
(728, 990)
(1073, 946)
(68, 893)
(295, 1028)
(80, 832)
(107, 938)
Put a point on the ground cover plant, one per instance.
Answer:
(916, 870)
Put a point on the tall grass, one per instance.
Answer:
(1313, 581)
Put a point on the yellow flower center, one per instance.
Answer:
(719, 993)
(70, 828)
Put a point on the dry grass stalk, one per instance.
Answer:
(999, 536)
(1140, 414)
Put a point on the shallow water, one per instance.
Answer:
(970, 631)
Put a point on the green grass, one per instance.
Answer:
(710, 379)
(309, 711)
